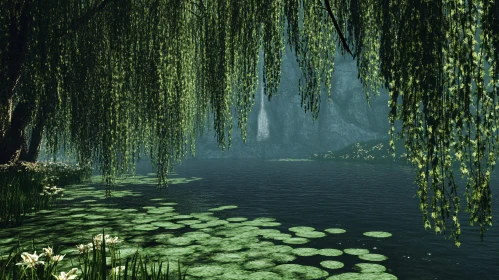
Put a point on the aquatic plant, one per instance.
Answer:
(378, 234)
(230, 248)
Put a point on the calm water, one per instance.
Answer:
(355, 197)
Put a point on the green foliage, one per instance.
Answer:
(442, 73)
(114, 80)
(371, 151)
(28, 187)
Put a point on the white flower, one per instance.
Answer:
(112, 241)
(57, 258)
(30, 260)
(49, 251)
(117, 270)
(98, 239)
(109, 240)
(83, 248)
(67, 276)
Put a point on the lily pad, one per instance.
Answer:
(179, 241)
(204, 216)
(305, 252)
(129, 210)
(237, 219)
(168, 203)
(378, 234)
(261, 245)
(282, 257)
(363, 276)
(259, 264)
(332, 264)
(301, 229)
(291, 271)
(223, 208)
(335, 230)
(261, 223)
(196, 235)
(163, 237)
(144, 227)
(373, 257)
(181, 217)
(173, 251)
(356, 251)
(189, 222)
(168, 225)
(228, 257)
(370, 267)
(10, 240)
(95, 217)
(295, 240)
(142, 221)
(330, 252)
(264, 275)
(265, 219)
(229, 247)
(310, 234)
(127, 252)
(205, 271)
(278, 249)
(212, 223)
(269, 233)
(234, 273)
(281, 236)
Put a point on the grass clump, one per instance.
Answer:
(28, 187)
(98, 260)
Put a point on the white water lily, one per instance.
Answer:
(31, 260)
(67, 276)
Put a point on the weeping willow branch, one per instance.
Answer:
(77, 23)
(144, 77)
(342, 38)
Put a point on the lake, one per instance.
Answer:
(356, 197)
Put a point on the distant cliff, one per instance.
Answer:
(345, 120)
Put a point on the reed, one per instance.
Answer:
(92, 263)
(28, 187)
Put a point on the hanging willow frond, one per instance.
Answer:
(114, 80)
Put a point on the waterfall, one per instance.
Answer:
(263, 123)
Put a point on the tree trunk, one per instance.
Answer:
(5, 115)
(13, 123)
(15, 138)
(33, 151)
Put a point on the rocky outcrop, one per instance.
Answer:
(345, 120)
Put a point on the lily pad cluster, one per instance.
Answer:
(231, 248)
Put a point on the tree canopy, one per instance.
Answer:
(113, 80)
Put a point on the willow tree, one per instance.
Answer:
(110, 80)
